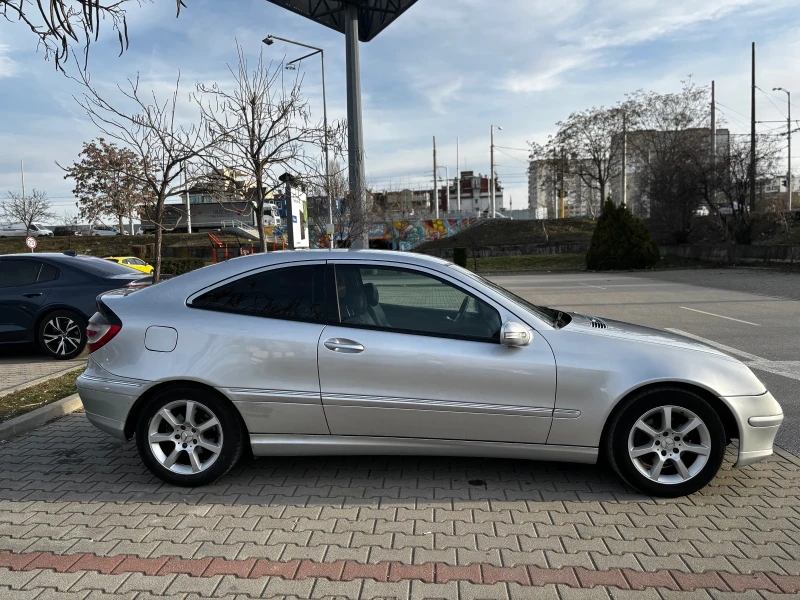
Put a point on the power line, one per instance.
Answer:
(729, 108)
(510, 148)
(770, 100)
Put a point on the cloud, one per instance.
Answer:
(8, 67)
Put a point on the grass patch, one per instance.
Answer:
(23, 401)
(535, 262)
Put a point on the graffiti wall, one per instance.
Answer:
(405, 235)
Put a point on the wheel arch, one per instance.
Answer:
(136, 409)
(718, 404)
(50, 309)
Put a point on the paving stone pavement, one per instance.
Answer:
(16, 371)
(81, 518)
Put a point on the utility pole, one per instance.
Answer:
(492, 183)
(789, 133)
(435, 180)
(753, 135)
(491, 176)
(22, 171)
(555, 184)
(458, 176)
(188, 204)
(447, 185)
(713, 187)
(624, 159)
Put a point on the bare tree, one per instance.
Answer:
(263, 128)
(59, 24)
(16, 208)
(108, 182)
(150, 129)
(669, 143)
(585, 145)
(733, 182)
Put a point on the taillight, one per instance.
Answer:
(138, 284)
(99, 332)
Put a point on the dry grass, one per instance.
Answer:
(18, 403)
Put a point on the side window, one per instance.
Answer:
(408, 301)
(126, 261)
(294, 293)
(17, 273)
(48, 273)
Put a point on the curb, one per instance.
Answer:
(40, 416)
(38, 380)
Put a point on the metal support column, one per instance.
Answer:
(355, 127)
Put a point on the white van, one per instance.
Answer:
(19, 230)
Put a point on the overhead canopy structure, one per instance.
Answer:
(358, 20)
(373, 15)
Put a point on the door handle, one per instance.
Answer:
(343, 346)
(32, 294)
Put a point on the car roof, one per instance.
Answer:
(212, 274)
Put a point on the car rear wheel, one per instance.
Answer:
(189, 437)
(666, 442)
(62, 334)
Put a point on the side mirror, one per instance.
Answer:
(515, 334)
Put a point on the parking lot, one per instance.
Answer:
(81, 518)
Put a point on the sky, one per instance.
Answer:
(445, 68)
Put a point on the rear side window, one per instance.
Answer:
(98, 266)
(16, 273)
(293, 293)
(48, 273)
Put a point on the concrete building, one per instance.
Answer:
(475, 196)
(545, 186)
(643, 147)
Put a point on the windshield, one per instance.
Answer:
(548, 315)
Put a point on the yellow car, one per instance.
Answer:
(132, 262)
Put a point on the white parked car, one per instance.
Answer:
(20, 230)
(99, 231)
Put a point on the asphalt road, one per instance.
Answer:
(752, 314)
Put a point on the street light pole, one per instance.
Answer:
(269, 40)
(789, 133)
(491, 183)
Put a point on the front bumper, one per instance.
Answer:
(758, 419)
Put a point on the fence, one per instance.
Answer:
(735, 254)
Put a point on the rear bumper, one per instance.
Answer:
(108, 401)
(758, 419)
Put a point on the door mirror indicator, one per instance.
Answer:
(515, 334)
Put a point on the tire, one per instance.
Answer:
(189, 460)
(62, 334)
(636, 443)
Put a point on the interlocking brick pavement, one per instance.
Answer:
(81, 518)
(19, 368)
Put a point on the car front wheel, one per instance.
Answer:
(62, 334)
(666, 442)
(188, 436)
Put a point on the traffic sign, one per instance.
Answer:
(30, 242)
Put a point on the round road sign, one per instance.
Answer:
(30, 242)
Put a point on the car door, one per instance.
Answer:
(414, 354)
(24, 286)
(255, 338)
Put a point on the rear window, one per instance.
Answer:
(100, 267)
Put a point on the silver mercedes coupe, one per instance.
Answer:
(373, 352)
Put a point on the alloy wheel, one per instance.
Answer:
(62, 336)
(185, 437)
(669, 444)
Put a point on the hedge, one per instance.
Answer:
(179, 266)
